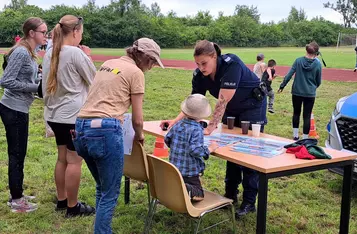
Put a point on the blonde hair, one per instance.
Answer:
(31, 23)
(65, 26)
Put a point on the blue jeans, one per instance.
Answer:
(100, 144)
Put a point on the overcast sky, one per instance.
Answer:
(270, 10)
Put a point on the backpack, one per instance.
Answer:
(4, 63)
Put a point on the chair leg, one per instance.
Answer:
(234, 219)
(153, 209)
(198, 225)
(148, 190)
(146, 228)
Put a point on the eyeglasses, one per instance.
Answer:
(44, 33)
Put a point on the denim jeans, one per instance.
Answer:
(17, 127)
(236, 174)
(100, 143)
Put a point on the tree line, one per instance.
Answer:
(121, 22)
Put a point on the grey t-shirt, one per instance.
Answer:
(74, 76)
(19, 80)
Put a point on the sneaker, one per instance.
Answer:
(355, 69)
(271, 111)
(23, 206)
(245, 209)
(296, 138)
(26, 197)
(81, 209)
(197, 199)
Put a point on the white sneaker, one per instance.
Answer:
(22, 206)
(27, 198)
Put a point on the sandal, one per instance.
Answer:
(82, 210)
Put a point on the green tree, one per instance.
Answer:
(249, 11)
(347, 8)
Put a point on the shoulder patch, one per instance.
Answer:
(195, 72)
(227, 59)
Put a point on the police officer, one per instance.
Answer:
(229, 80)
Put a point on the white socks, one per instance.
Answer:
(305, 136)
(295, 132)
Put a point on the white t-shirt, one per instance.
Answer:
(74, 76)
(257, 70)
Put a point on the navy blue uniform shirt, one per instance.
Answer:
(231, 73)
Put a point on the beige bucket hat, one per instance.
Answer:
(149, 47)
(196, 106)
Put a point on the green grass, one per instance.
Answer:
(344, 58)
(307, 203)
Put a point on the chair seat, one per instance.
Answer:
(211, 201)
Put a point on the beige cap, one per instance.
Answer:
(149, 47)
(196, 106)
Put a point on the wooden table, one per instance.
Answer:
(278, 166)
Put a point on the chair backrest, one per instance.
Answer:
(167, 185)
(136, 165)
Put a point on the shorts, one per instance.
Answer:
(63, 134)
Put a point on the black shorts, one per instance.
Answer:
(63, 134)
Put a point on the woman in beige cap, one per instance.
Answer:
(98, 137)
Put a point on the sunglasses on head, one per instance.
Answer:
(80, 21)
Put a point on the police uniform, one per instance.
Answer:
(232, 73)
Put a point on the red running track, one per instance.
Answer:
(331, 74)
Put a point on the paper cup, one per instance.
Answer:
(245, 127)
(256, 130)
(230, 122)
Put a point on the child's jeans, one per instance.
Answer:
(193, 185)
(271, 99)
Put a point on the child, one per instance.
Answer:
(260, 66)
(185, 140)
(267, 79)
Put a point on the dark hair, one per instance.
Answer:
(312, 48)
(259, 58)
(271, 63)
(205, 47)
(65, 26)
(31, 23)
(141, 59)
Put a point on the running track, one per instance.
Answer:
(331, 74)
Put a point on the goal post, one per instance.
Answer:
(346, 41)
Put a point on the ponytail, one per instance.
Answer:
(217, 49)
(57, 38)
(205, 47)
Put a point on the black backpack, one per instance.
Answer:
(4, 63)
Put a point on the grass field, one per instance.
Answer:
(307, 203)
(344, 58)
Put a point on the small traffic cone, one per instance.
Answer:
(160, 149)
(313, 133)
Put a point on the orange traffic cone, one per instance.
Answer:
(160, 149)
(313, 133)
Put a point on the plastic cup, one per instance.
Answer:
(230, 122)
(256, 130)
(245, 127)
